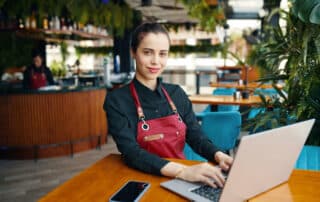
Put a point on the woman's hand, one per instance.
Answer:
(224, 160)
(203, 172)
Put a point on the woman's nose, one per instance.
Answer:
(155, 59)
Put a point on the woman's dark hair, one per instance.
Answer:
(36, 53)
(142, 30)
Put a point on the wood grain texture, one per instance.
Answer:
(52, 118)
(224, 100)
(101, 180)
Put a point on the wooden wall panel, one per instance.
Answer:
(52, 118)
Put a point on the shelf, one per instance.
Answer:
(51, 35)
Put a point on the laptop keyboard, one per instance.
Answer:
(213, 194)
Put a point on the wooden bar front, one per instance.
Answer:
(44, 124)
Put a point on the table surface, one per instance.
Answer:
(250, 86)
(98, 182)
(224, 100)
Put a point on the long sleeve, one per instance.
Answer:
(26, 79)
(49, 76)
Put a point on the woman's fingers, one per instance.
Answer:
(225, 161)
(207, 180)
(213, 175)
(224, 165)
(205, 173)
(217, 177)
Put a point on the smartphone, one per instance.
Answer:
(132, 191)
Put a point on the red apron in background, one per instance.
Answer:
(38, 79)
(163, 136)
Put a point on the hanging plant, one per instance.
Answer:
(209, 16)
(114, 16)
(93, 50)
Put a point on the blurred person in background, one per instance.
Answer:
(37, 75)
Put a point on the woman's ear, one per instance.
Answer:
(133, 55)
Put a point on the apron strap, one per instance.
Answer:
(173, 106)
(136, 101)
(138, 104)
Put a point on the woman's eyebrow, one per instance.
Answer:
(150, 49)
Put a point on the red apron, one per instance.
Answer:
(38, 79)
(163, 136)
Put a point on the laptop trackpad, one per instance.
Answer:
(192, 191)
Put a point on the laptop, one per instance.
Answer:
(263, 160)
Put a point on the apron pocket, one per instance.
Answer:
(153, 137)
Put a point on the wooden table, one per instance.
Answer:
(100, 181)
(251, 85)
(224, 100)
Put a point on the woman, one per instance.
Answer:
(150, 120)
(37, 75)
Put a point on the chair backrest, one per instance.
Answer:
(309, 158)
(223, 128)
(226, 91)
(266, 91)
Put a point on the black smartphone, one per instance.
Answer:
(132, 191)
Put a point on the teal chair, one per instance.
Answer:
(220, 91)
(222, 128)
(266, 91)
(226, 91)
(309, 158)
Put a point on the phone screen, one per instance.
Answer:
(130, 192)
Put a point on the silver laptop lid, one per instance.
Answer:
(264, 160)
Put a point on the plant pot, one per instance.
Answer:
(212, 2)
(245, 94)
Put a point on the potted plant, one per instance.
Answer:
(293, 56)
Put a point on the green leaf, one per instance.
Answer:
(315, 15)
(2, 2)
(305, 9)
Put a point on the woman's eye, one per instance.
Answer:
(163, 54)
(147, 52)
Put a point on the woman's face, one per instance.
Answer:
(151, 57)
(37, 61)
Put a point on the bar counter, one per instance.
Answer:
(55, 122)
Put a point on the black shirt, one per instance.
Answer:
(27, 75)
(123, 119)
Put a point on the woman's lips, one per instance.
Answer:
(153, 70)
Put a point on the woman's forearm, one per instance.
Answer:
(172, 169)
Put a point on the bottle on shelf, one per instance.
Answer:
(51, 22)
(45, 22)
(74, 25)
(81, 26)
(21, 24)
(57, 23)
(63, 25)
(33, 21)
(27, 22)
(69, 24)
